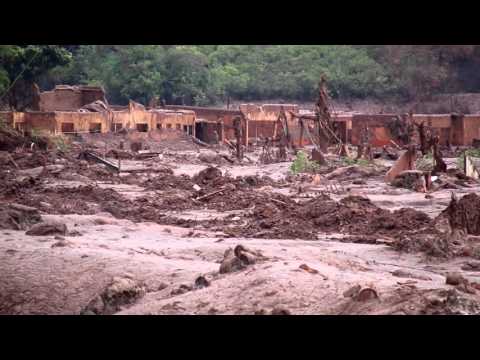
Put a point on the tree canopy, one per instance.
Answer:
(209, 74)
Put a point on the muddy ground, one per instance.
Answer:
(187, 232)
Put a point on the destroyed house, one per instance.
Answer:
(84, 109)
(211, 120)
(263, 119)
(457, 130)
(135, 116)
(80, 109)
(132, 118)
(260, 121)
(70, 98)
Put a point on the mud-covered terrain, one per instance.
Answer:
(182, 230)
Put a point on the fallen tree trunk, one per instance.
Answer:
(405, 162)
(94, 157)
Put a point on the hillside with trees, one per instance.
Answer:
(214, 74)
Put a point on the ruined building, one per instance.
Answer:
(80, 109)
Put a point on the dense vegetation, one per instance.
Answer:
(211, 74)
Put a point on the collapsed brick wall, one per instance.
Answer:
(215, 115)
(82, 122)
(263, 120)
(452, 129)
(261, 129)
(69, 98)
(379, 133)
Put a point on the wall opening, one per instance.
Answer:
(116, 127)
(185, 128)
(142, 127)
(95, 128)
(169, 126)
(68, 127)
(159, 126)
(199, 131)
(190, 130)
(20, 127)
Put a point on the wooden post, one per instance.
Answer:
(301, 133)
(246, 132)
(237, 124)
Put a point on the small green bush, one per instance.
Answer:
(302, 164)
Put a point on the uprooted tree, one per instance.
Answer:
(324, 131)
(430, 142)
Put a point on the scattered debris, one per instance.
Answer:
(411, 179)
(201, 282)
(18, 217)
(366, 294)
(280, 311)
(308, 269)
(182, 289)
(47, 228)
(352, 292)
(464, 214)
(454, 278)
(471, 266)
(119, 293)
(238, 259)
(405, 162)
(157, 182)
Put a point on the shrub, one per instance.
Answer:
(302, 164)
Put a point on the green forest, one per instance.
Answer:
(214, 74)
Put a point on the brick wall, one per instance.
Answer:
(69, 98)
(380, 135)
(471, 129)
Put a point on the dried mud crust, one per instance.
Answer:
(464, 214)
(409, 300)
(154, 140)
(352, 215)
(449, 233)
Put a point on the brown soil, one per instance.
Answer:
(352, 215)
(464, 214)
(110, 244)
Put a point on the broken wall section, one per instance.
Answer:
(214, 119)
(263, 119)
(70, 98)
(458, 130)
(133, 117)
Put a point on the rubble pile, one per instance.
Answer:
(185, 194)
(351, 215)
(464, 214)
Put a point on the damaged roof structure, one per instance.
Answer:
(70, 109)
